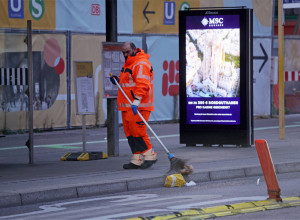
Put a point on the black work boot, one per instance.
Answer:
(130, 166)
(147, 164)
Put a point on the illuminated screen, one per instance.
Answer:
(212, 45)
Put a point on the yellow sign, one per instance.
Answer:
(159, 16)
(84, 69)
(14, 14)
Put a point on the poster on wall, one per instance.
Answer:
(213, 69)
(85, 98)
(46, 82)
(113, 61)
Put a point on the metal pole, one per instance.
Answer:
(144, 43)
(112, 127)
(281, 69)
(112, 108)
(30, 72)
(68, 70)
(83, 133)
(272, 54)
(111, 21)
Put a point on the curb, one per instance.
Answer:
(10, 199)
(49, 195)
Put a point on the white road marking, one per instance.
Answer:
(199, 204)
(127, 214)
(125, 139)
(120, 199)
(80, 143)
(125, 200)
(275, 127)
(58, 206)
(190, 198)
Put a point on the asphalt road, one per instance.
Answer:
(159, 201)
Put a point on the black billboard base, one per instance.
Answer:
(219, 145)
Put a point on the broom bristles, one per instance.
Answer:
(179, 166)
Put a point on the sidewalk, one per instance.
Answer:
(50, 179)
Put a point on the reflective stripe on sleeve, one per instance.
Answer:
(127, 105)
(138, 97)
(128, 84)
(142, 76)
(141, 63)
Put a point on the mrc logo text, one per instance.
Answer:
(212, 22)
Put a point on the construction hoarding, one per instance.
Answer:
(151, 24)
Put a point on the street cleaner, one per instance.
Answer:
(136, 79)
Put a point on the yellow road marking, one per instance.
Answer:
(226, 210)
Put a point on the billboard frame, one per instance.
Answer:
(222, 134)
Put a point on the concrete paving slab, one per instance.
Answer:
(50, 179)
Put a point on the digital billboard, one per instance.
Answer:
(213, 69)
(215, 65)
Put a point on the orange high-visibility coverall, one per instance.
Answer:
(136, 79)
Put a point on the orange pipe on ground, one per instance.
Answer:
(268, 169)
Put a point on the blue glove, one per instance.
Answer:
(170, 156)
(134, 109)
(112, 79)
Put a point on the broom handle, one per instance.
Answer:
(148, 126)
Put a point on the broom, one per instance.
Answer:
(176, 165)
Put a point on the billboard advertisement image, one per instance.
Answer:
(213, 69)
(215, 65)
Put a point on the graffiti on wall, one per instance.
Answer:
(48, 65)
